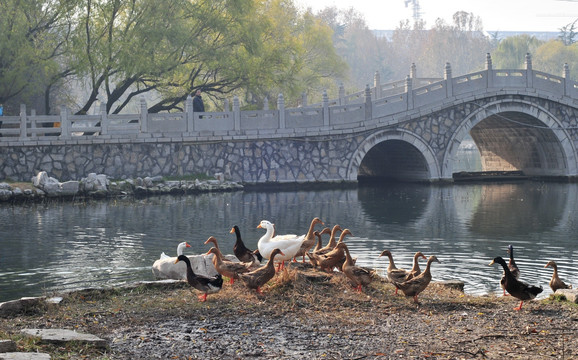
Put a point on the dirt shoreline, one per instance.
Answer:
(302, 314)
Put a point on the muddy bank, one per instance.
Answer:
(304, 313)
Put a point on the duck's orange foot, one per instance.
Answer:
(519, 307)
(231, 281)
(203, 298)
(358, 288)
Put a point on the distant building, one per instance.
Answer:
(540, 35)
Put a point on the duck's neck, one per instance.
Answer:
(189, 267)
(268, 234)
(391, 263)
(427, 271)
(348, 259)
(216, 244)
(238, 234)
(332, 242)
(271, 263)
(217, 258)
(415, 264)
(318, 246)
(310, 234)
(180, 249)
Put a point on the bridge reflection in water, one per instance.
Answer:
(64, 246)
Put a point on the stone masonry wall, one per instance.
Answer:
(242, 161)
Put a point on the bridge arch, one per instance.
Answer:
(396, 155)
(515, 134)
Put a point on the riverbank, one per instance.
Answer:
(302, 313)
(99, 186)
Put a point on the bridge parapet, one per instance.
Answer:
(354, 112)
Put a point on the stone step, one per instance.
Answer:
(7, 346)
(24, 356)
(60, 336)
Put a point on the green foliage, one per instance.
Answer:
(569, 33)
(118, 50)
(551, 56)
(511, 52)
(33, 37)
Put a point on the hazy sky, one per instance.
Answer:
(496, 15)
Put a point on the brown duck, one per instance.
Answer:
(308, 241)
(318, 235)
(394, 275)
(357, 275)
(332, 241)
(415, 270)
(257, 278)
(415, 286)
(227, 268)
(335, 257)
(556, 283)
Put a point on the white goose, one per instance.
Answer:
(165, 267)
(288, 244)
(180, 248)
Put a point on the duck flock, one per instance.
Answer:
(334, 255)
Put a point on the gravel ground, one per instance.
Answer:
(307, 314)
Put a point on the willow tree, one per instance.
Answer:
(127, 48)
(511, 52)
(34, 36)
(551, 56)
(167, 50)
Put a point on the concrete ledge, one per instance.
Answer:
(59, 336)
(24, 356)
(13, 307)
(451, 284)
(7, 346)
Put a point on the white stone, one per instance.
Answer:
(69, 188)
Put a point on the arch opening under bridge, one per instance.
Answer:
(515, 136)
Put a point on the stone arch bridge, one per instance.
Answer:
(409, 130)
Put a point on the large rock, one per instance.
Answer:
(49, 185)
(94, 182)
(570, 294)
(53, 187)
(69, 188)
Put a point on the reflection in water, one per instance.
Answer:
(510, 209)
(54, 247)
(402, 203)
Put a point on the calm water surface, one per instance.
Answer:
(60, 246)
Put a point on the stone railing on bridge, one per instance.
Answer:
(382, 103)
